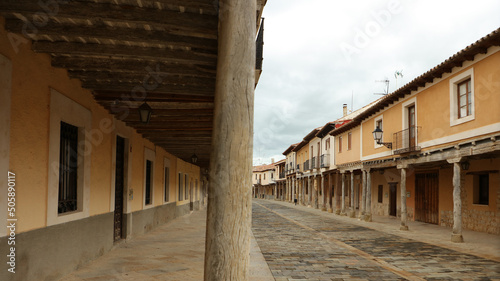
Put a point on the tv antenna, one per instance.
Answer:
(396, 74)
(386, 81)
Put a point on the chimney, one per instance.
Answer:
(345, 109)
(272, 160)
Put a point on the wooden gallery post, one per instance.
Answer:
(229, 208)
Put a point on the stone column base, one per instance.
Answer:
(457, 238)
(330, 210)
(337, 212)
(323, 209)
(368, 217)
(352, 214)
(343, 213)
(403, 227)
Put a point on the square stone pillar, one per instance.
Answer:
(342, 210)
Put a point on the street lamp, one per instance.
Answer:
(145, 113)
(194, 159)
(377, 136)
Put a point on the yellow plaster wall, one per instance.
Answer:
(32, 78)
(352, 155)
(303, 156)
(433, 108)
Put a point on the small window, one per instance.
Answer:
(166, 184)
(147, 197)
(349, 141)
(482, 189)
(181, 191)
(378, 124)
(327, 144)
(340, 144)
(464, 98)
(380, 193)
(264, 176)
(68, 169)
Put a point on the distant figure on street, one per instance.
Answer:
(295, 201)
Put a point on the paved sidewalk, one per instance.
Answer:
(476, 243)
(307, 244)
(174, 251)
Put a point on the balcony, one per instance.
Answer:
(406, 141)
(306, 166)
(298, 167)
(259, 181)
(325, 160)
(282, 175)
(314, 163)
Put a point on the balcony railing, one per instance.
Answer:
(282, 175)
(306, 166)
(325, 160)
(314, 163)
(298, 167)
(406, 141)
(259, 181)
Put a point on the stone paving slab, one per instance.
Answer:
(304, 245)
(173, 252)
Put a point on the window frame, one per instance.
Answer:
(340, 144)
(380, 195)
(65, 109)
(455, 118)
(166, 180)
(349, 141)
(149, 155)
(477, 188)
(72, 179)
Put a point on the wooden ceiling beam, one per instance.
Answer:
(116, 96)
(139, 35)
(187, 23)
(99, 76)
(138, 90)
(98, 51)
(137, 66)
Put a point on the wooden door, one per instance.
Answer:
(119, 185)
(426, 197)
(393, 198)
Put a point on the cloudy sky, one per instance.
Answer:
(320, 54)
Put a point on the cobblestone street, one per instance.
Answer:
(300, 245)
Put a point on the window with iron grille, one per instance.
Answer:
(166, 185)
(68, 169)
(180, 187)
(147, 197)
(380, 193)
(481, 189)
(186, 187)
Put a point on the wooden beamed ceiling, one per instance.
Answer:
(127, 52)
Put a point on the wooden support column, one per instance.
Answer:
(309, 194)
(330, 194)
(342, 210)
(352, 213)
(404, 225)
(229, 212)
(456, 234)
(316, 192)
(323, 204)
(368, 210)
(293, 190)
(363, 196)
(303, 183)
